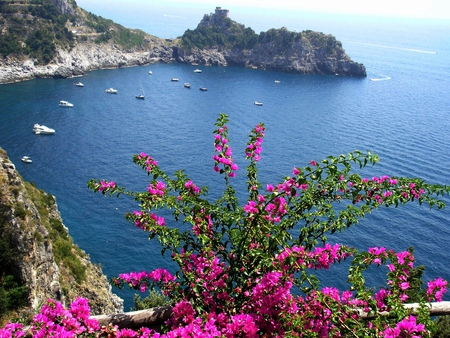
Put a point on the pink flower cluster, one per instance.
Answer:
(400, 268)
(146, 161)
(379, 189)
(223, 153)
(269, 298)
(105, 185)
(319, 258)
(276, 208)
(157, 190)
(408, 327)
(203, 224)
(143, 279)
(436, 289)
(191, 187)
(254, 149)
(272, 211)
(186, 323)
(207, 270)
(55, 321)
(146, 221)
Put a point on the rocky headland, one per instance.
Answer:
(307, 52)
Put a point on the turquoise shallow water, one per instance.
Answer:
(404, 118)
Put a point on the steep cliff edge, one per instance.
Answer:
(38, 254)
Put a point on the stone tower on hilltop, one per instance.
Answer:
(222, 13)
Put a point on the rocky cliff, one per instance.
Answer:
(43, 257)
(220, 41)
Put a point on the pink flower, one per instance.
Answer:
(404, 285)
(251, 207)
(436, 289)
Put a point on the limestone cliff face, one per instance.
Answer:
(83, 58)
(35, 227)
(64, 7)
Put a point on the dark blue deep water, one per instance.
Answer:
(404, 118)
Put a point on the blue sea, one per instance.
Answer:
(404, 117)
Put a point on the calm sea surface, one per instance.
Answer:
(405, 118)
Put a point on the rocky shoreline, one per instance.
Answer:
(301, 58)
(83, 58)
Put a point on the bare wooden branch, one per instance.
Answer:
(151, 318)
(436, 309)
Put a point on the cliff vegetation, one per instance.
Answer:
(37, 28)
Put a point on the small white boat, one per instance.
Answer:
(258, 103)
(204, 89)
(187, 85)
(150, 72)
(174, 79)
(277, 81)
(41, 129)
(26, 159)
(65, 104)
(79, 84)
(197, 71)
(111, 90)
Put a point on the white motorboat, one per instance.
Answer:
(65, 104)
(187, 85)
(174, 79)
(203, 89)
(197, 71)
(150, 72)
(41, 129)
(111, 91)
(258, 103)
(26, 159)
(277, 81)
(79, 84)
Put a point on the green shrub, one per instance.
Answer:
(12, 294)
(63, 252)
(443, 327)
(58, 229)
(154, 299)
(20, 211)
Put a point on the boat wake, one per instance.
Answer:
(382, 78)
(392, 47)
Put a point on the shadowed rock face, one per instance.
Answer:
(30, 216)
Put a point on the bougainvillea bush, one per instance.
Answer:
(246, 268)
